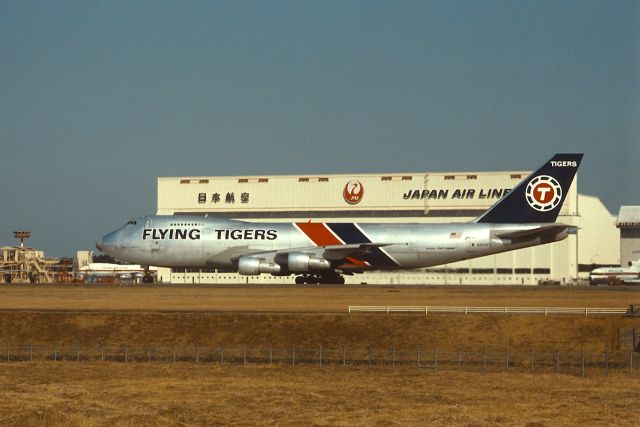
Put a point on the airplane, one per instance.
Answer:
(318, 252)
(609, 275)
(94, 270)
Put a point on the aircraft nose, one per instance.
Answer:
(107, 244)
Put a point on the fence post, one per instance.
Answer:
(532, 360)
(344, 356)
(459, 360)
(558, 361)
(369, 355)
(631, 362)
(418, 358)
(77, 352)
(197, 353)
(126, 352)
(30, 352)
(221, 355)
(582, 354)
(244, 356)
(173, 353)
(506, 357)
(55, 352)
(102, 352)
(320, 354)
(8, 357)
(393, 356)
(484, 359)
(270, 355)
(606, 362)
(149, 354)
(293, 355)
(435, 359)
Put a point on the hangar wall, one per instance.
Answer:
(629, 225)
(403, 197)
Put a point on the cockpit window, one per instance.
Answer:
(132, 222)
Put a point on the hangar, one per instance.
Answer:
(629, 224)
(401, 197)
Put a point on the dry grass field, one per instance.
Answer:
(96, 394)
(162, 393)
(300, 299)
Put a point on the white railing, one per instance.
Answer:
(485, 310)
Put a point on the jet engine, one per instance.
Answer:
(252, 266)
(299, 262)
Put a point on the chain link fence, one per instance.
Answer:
(579, 362)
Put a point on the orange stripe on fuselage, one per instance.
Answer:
(321, 236)
(318, 233)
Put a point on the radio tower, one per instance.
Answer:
(22, 235)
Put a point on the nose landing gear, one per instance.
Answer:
(147, 278)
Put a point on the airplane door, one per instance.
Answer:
(474, 244)
(470, 244)
(152, 245)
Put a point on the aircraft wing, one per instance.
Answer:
(339, 252)
(329, 252)
(335, 252)
(532, 232)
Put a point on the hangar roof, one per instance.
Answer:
(628, 217)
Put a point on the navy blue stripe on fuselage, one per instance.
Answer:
(350, 234)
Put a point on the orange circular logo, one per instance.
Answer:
(543, 193)
(353, 192)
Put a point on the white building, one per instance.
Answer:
(408, 197)
(629, 225)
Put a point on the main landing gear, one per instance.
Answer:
(315, 279)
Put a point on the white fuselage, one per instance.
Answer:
(196, 241)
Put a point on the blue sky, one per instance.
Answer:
(97, 99)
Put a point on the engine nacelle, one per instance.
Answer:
(299, 262)
(252, 266)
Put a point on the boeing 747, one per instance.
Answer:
(318, 252)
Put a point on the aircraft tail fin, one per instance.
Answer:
(539, 197)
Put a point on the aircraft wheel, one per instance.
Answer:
(326, 280)
(147, 279)
(299, 280)
(331, 280)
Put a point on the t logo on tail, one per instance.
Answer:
(543, 193)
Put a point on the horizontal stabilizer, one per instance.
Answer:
(532, 232)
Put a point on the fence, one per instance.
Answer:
(485, 360)
(487, 310)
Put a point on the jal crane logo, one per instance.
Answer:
(353, 192)
(543, 193)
